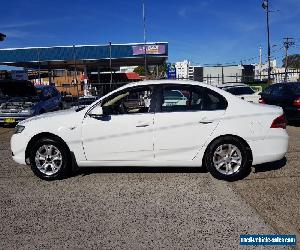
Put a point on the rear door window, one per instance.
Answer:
(179, 98)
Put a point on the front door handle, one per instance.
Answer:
(142, 125)
(205, 121)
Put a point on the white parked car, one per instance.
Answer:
(211, 128)
(241, 90)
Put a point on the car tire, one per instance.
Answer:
(228, 158)
(50, 159)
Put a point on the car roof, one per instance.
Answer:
(231, 85)
(169, 81)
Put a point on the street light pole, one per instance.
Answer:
(145, 49)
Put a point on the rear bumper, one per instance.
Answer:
(272, 148)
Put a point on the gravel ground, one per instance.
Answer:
(140, 208)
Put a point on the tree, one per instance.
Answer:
(140, 70)
(161, 70)
(293, 61)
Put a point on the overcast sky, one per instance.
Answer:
(203, 31)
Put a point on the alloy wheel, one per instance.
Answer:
(48, 159)
(227, 159)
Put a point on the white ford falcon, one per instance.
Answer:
(155, 123)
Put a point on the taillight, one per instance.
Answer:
(262, 101)
(279, 122)
(297, 102)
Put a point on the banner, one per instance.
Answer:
(150, 50)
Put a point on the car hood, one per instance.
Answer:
(58, 116)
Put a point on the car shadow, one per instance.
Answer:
(95, 170)
(265, 167)
(269, 166)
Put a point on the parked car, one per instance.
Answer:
(241, 90)
(212, 128)
(20, 100)
(85, 100)
(285, 95)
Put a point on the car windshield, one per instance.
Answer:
(240, 90)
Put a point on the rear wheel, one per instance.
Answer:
(228, 158)
(49, 159)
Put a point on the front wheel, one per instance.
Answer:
(49, 159)
(228, 158)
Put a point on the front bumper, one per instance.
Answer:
(13, 118)
(18, 143)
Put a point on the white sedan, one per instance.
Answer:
(211, 128)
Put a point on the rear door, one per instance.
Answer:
(181, 127)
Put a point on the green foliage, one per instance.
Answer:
(157, 73)
(140, 70)
(293, 61)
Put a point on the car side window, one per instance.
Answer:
(213, 101)
(191, 98)
(130, 101)
(175, 98)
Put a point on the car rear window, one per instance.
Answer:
(240, 90)
(295, 88)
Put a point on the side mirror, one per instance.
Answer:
(96, 111)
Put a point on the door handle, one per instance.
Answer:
(142, 125)
(205, 121)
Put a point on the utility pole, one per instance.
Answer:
(287, 43)
(75, 72)
(260, 61)
(145, 49)
(265, 5)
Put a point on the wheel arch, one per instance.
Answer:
(37, 137)
(243, 141)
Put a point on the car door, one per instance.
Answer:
(182, 128)
(126, 132)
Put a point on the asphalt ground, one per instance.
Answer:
(147, 208)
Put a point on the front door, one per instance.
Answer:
(126, 132)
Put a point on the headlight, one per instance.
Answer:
(19, 129)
